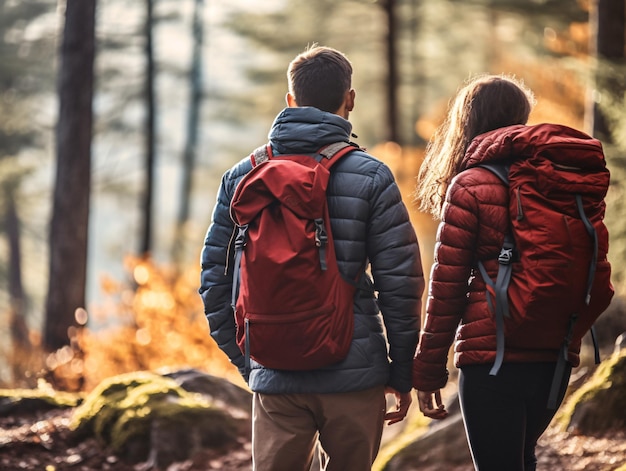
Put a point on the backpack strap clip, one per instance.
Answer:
(506, 255)
(261, 154)
(502, 301)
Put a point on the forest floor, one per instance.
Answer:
(43, 442)
(560, 451)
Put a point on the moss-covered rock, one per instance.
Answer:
(144, 415)
(442, 445)
(213, 388)
(599, 405)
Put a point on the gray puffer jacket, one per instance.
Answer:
(369, 223)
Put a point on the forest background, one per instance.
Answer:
(117, 120)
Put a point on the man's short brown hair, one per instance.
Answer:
(320, 77)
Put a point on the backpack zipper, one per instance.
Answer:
(321, 239)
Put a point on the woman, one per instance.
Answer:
(504, 414)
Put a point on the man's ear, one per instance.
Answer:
(348, 104)
(291, 101)
(350, 99)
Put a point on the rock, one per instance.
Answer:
(443, 446)
(599, 405)
(145, 416)
(214, 388)
(609, 323)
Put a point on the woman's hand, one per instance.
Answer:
(430, 404)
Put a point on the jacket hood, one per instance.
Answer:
(560, 144)
(306, 129)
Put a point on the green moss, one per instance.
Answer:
(391, 449)
(127, 406)
(46, 397)
(604, 392)
(110, 396)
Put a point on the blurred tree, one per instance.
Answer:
(147, 209)
(412, 89)
(607, 24)
(151, 135)
(26, 67)
(18, 327)
(606, 116)
(128, 115)
(392, 71)
(70, 213)
(193, 124)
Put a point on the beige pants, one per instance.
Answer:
(285, 429)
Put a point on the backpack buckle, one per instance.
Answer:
(321, 237)
(240, 239)
(506, 256)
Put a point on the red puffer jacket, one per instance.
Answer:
(474, 221)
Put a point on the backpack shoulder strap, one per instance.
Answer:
(505, 269)
(327, 155)
(333, 152)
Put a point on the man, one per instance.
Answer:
(343, 404)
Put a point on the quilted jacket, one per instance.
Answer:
(474, 221)
(371, 224)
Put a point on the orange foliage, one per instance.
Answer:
(572, 42)
(157, 322)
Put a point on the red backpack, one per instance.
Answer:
(554, 277)
(293, 309)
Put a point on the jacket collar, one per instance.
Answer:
(306, 129)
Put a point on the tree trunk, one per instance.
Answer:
(148, 203)
(12, 225)
(392, 72)
(607, 26)
(70, 211)
(20, 342)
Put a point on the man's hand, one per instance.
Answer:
(429, 407)
(403, 401)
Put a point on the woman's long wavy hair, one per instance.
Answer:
(485, 103)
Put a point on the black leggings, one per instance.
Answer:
(504, 415)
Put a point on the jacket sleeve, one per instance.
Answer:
(216, 276)
(448, 287)
(396, 265)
